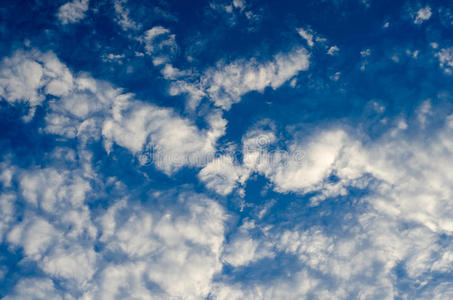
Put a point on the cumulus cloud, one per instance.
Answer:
(87, 109)
(37, 288)
(360, 259)
(402, 221)
(177, 247)
(405, 173)
(23, 75)
(173, 142)
(301, 167)
(72, 12)
(160, 44)
(234, 10)
(307, 35)
(122, 16)
(163, 251)
(226, 83)
(222, 174)
(445, 57)
(333, 50)
(192, 236)
(422, 15)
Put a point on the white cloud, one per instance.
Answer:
(37, 288)
(72, 12)
(35, 235)
(20, 78)
(72, 262)
(307, 35)
(242, 249)
(23, 75)
(445, 57)
(303, 167)
(91, 109)
(7, 212)
(226, 83)
(160, 44)
(168, 250)
(365, 53)
(333, 50)
(357, 259)
(423, 14)
(235, 9)
(222, 174)
(122, 16)
(172, 73)
(173, 142)
(423, 112)
(56, 230)
(317, 163)
(177, 249)
(410, 178)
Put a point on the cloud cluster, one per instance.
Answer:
(445, 57)
(88, 109)
(165, 252)
(25, 74)
(368, 218)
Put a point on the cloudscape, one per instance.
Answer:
(226, 149)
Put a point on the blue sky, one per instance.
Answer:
(231, 149)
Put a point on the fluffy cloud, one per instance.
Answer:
(171, 142)
(333, 50)
(405, 172)
(357, 261)
(445, 57)
(222, 174)
(302, 167)
(160, 44)
(191, 236)
(422, 15)
(86, 109)
(306, 35)
(37, 288)
(164, 250)
(72, 12)
(23, 75)
(234, 10)
(122, 16)
(227, 83)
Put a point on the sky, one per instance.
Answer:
(226, 149)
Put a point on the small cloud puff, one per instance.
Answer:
(445, 57)
(72, 12)
(423, 14)
(160, 44)
(122, 16)
(333, 50)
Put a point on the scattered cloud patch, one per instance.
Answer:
(333, 50)
(445, 57)
(307, 35)
(422, 15)
(122, 16)
(72, 12)
(227, 82)
(160, 44)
